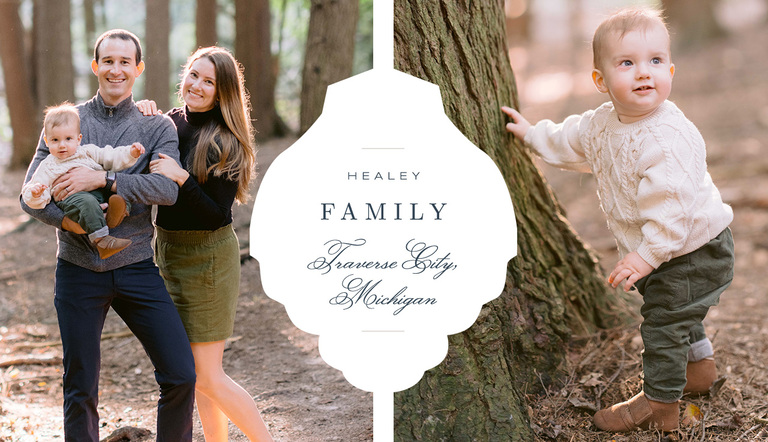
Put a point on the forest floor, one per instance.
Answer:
(300, 397)
(722, 88)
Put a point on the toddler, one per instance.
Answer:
(667, 217)
(62, 137)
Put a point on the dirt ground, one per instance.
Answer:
(722, 88)
(300, 397)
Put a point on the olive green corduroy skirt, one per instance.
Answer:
(201, 270)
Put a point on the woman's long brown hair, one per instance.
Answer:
(229, 150)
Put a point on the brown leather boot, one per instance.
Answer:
(700, 375)
(69, 225)
(116, 211)
(109, 245)
(639, 412)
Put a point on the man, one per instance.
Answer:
(86, 286)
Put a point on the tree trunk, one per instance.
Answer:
(205, 23)
(158, 72)
(89, 13)
(330, 53)
(691, 22)
(18, 89)
(554, 286)
(53, 52)
(253, 51)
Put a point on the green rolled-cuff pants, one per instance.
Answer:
(677, 296)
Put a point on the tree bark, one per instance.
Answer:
(158, 72)
(205, 23)
(554, 286)
(253, 51)
(53, 52)
(18, 88)
(330, 53)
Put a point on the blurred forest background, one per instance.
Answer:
(290, 49)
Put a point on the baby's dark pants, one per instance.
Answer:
(677, 296)
(84, 208)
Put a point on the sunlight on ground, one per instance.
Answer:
(22, 422)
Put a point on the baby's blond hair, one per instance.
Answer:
(622, 22)
(60, 114)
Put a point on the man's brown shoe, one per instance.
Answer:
(699, 376)
(116, 211)
(109, 245)
(639, 412)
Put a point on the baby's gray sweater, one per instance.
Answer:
(117, 126)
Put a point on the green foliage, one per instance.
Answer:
(364, 38)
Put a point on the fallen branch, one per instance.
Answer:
(31, 360)
(104, 337)
(245, 255)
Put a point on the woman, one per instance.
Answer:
(196, 249)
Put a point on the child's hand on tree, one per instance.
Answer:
(518, 126)
(632, 268)
(137, 149)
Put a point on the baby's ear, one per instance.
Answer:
(599, 80)
(671, 70)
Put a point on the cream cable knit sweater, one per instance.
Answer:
(87, 155)
(652, 177)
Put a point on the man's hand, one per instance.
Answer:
(518, 126)
(137, 150)
(632, 268)
(78, 179)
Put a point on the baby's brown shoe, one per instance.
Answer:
(639, 412)
(116, 211)
(699, 376)
(69, 225)
(109, 245)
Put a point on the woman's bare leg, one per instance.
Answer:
(224, 394)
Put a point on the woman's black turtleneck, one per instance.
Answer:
(206, 206)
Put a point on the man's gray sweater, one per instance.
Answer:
(118, 126)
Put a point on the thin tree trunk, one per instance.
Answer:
(90, 38)
(554, 286)
(253, 51)
(18, 89)
(330, 53)
(205, 23)
(691, 22)
(55, 74)
(158, 86)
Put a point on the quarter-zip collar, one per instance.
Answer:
(104, 112)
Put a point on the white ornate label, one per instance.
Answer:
(383, 230)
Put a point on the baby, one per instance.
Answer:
(62, 136)
(667, 217)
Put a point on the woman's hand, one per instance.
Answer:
(168, 167)
(148, 108)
